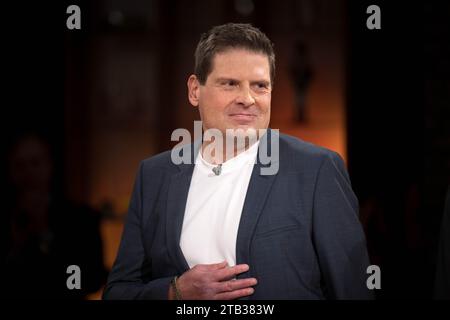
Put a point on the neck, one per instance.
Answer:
(217, 154)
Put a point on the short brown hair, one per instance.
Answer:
(231, 35)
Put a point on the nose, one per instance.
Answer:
(245, 97)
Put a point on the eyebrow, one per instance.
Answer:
(262, 81)
(226, 79)
(265, 82)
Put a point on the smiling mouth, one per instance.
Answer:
(243, 115)
(243, 118)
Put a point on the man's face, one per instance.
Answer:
(237, 92)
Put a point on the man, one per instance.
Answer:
(220, 228)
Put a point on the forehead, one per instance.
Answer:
(241, 61)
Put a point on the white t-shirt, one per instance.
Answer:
(213, 209)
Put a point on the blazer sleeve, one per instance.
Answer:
(337, 233)
(126, 280)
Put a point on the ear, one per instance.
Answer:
(193, 90)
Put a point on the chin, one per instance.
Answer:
(243, 131)
(241, 127)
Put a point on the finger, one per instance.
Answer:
(234, 294)
(216, 266)
(231, 272)
(232, 285)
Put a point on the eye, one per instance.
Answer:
(262, 86)
(229, 83)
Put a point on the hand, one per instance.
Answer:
(215, 282)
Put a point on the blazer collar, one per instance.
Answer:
(257, 192)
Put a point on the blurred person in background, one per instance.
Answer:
(442, 282)
(45, 233)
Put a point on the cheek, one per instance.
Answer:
(211, 109)
(213, 102)
(264, 104)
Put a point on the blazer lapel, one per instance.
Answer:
(257, 193)
(176, 204)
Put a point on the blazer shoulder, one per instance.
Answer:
(161, 161)
(296, 148)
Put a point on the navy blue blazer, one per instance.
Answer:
(299, 230)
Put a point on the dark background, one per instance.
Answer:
(397, 102)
